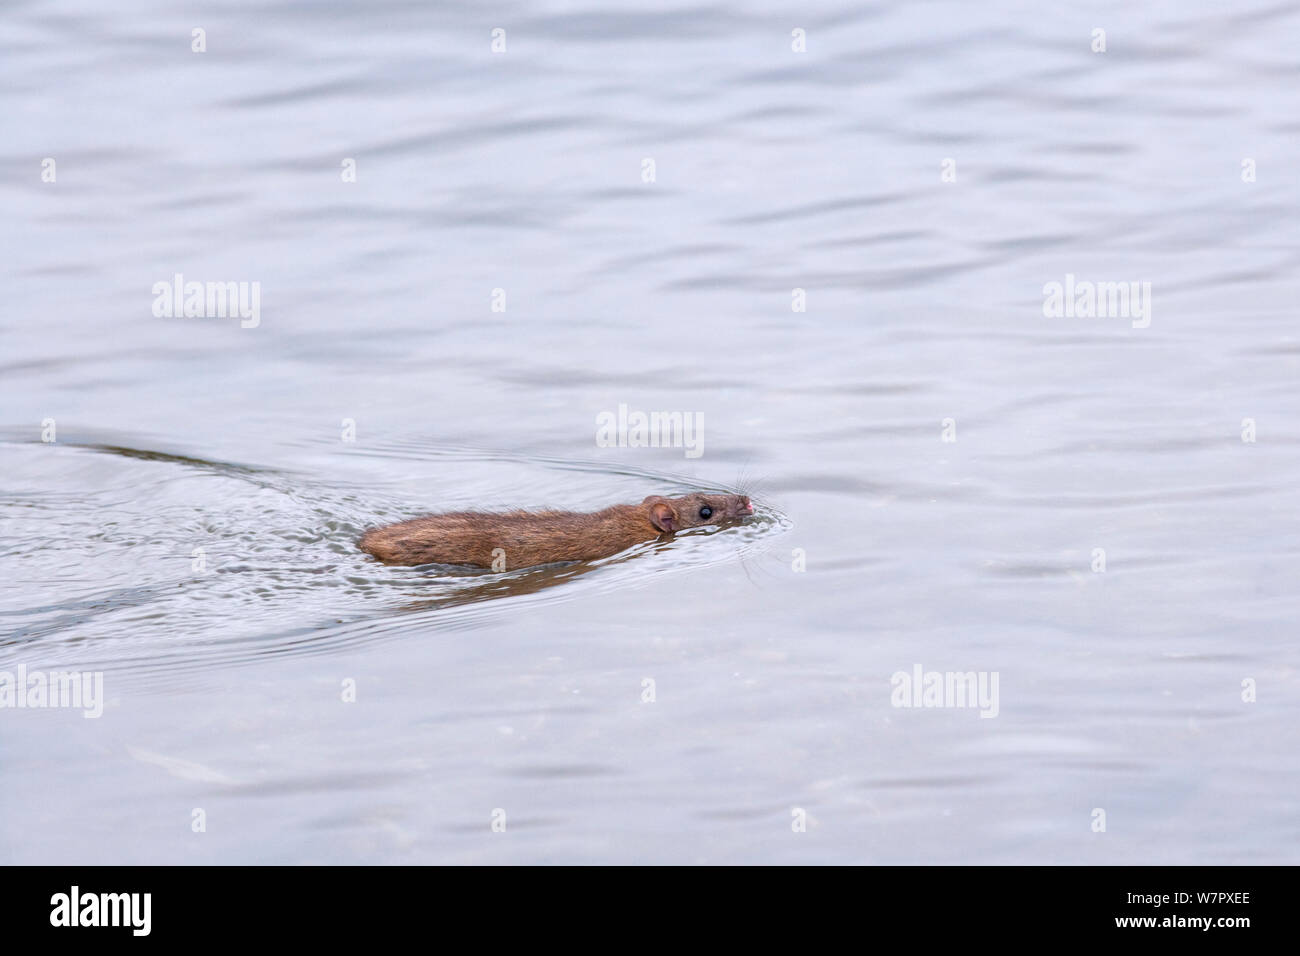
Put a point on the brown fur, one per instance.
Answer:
(529, 538)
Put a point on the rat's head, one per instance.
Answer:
(694, 511)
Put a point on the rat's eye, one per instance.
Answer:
(706, 512)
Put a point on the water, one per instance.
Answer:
(1119, 690)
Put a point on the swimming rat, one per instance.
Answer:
(522, 539)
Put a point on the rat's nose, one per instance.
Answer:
(745, 507)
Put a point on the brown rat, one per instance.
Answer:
(523, 539)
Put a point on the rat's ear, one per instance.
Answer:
(663, 517)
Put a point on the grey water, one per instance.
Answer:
(827, 230)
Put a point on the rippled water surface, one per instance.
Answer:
(190, 532)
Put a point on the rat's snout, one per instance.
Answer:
(740, 507)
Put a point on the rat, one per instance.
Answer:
(522, 539)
